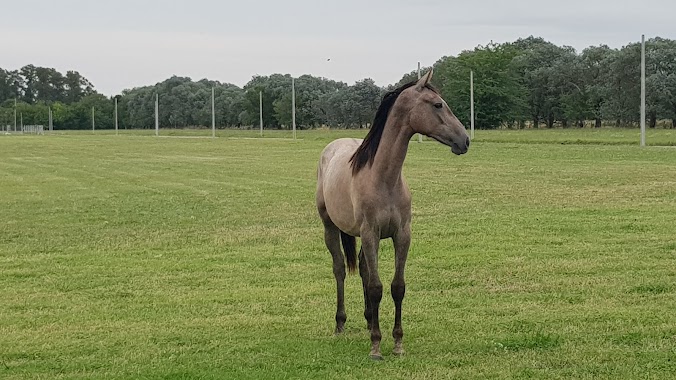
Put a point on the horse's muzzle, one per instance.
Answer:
(460, 148)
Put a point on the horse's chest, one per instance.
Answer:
(389, 225)
(389, 217)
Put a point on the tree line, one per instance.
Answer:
(532, 82)
(526, 83)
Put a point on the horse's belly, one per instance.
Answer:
(341, 212)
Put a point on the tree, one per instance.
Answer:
(498, 94)
(596, 74)
(568, 84)
(273, 88)
(661, 79)
(230, 103)
(623, 96)
(30, 77)
(537, 65)
(49, 85)
(76, 86)
(7, 90)
(183, 103)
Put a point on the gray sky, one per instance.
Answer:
(129, 43)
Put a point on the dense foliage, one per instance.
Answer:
(529, 82)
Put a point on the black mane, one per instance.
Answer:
(367, 150)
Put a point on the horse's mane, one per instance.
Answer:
(367, 150)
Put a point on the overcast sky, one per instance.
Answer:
(122, 44)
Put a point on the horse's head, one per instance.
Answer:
(431, 116)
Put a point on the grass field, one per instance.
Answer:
(533, 256)
(602, 136)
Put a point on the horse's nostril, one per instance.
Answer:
(467, 142)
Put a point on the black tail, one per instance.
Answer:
(349, 246)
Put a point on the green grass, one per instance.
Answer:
(136, 257)
(601, 136)
(575, 136)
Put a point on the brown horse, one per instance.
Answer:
(361, 193)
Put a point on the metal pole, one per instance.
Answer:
(157, 114)
(213, 113)
(93, 122)
(420, 139)
(471, 100)
(642, 90)
(260, 109)
(51, 128)
(116, 115)
(293, 106)
(21, 121)
(14, 114)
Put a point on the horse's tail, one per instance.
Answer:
(350, 248)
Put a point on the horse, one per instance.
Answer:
(361, 192)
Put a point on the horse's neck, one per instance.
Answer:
(389, 159)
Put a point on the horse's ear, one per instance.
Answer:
(422, 82)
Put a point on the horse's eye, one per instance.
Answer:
(438, 105)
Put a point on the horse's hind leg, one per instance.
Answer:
(364, 273)
(332, 240)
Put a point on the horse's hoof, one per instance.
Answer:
(375, 351)
(398, 349)
(339, 330)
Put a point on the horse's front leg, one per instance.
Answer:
(370, 240)
(402, 241)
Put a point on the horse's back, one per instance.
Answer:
(338, 149)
